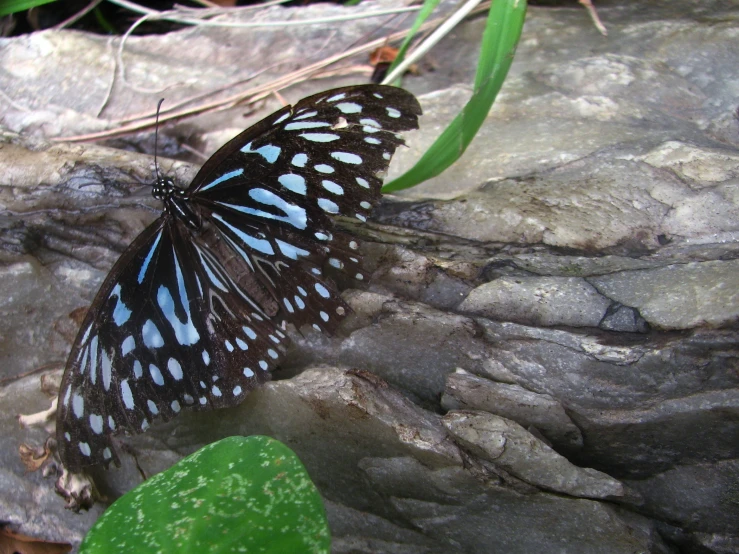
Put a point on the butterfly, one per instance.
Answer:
(192, 314)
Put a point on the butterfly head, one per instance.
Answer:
(175, 201)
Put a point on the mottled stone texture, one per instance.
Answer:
(546, 359)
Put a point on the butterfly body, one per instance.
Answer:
(192, 314)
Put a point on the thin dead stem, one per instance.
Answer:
(260, 92)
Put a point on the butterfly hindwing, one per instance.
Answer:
(164, 334)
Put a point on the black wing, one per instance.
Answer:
(187, 317)
(168, 330)
(271, 191)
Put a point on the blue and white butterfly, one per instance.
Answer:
(190, 316)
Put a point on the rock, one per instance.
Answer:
(529, 409)
(681, 296)
(688, 496)
(508, 445)
(545, 301)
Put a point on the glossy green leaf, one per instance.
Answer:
(236, 495)
(499, 41)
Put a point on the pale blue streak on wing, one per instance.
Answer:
(240, 252)
(260, 245)
(222, 178)
(209, 272)
(269, 152)
(306, 115)
(185, 333)
(291, 251)
(294, 215)
(121, 313)
(320, 137)
(293, 182)
(300, 125)
(145, 265)
(151, 335)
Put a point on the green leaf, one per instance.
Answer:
(499, 42)
(428, 7)
(14, 6)
(236, 495)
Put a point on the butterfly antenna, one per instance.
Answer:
(156, 140)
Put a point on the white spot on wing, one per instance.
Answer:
(128, 344)
(175, 369)
(332, 187)
(107, 370)
(328, 206)
(293, 182)
(299, 160)
(96, 423)
(138, 371)
(347, 157)
(349, 107)
(78, 406)
(126, 394)
(156, 375)
(151, 335)
(320, 137)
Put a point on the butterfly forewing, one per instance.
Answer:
(191, 315)
(278, 188)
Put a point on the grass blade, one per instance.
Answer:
(498, 46)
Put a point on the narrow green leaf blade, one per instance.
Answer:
(428, 7)
(236, 495)
(498, 46)
(15, 6)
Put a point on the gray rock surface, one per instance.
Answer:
(566, 292)
(509, 446)
(538, 411)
